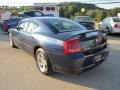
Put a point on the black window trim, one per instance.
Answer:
(23, 22)
(34, 23)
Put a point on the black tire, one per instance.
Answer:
(43, 62)
(11, 41)
(109, 31)
(99, 26)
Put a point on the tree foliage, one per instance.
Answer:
(72, 9)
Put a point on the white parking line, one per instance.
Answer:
(114, 41)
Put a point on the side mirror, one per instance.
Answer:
(19, 28)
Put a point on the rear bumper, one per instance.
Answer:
(116, 30)
(76, 63)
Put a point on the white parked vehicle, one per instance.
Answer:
(111, 24)
(50, 9)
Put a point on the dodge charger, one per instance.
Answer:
(59, 44)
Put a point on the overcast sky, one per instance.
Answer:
(30, 2)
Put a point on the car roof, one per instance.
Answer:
(41, 18)
(37, 19)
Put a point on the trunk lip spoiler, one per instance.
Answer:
(84, 33)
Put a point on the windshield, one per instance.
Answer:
(116, 19)
(64, 24)
(37, 13)
(33, 13)
(84, 19)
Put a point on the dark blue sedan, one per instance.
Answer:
(59, 44)
(11, 23)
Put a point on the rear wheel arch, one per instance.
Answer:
(11, 41)
(38, 49)
(107, 27)
(35, 49)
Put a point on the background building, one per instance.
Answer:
(47, 8)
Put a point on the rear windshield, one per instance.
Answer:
(116, 19)
(63, 24)
(84, 19)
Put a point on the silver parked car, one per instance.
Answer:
(111, 24)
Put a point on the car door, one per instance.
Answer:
(29, 41)
(18, 35)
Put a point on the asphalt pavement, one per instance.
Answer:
(18, 71)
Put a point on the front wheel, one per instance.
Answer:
(43, 62)
(109, 31)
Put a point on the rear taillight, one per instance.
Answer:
(5, 26)
(72, 46)
(93, 24)
(116, 26)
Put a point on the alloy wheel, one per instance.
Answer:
(42, 63)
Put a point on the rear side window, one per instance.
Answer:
(32, 27)
(64, 24)
(116, 19)
(23, 25)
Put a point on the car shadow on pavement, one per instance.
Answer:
(104, 77)
(117, 35)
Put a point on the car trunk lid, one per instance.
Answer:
(90, 40)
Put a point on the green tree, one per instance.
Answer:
(100, 15)
(72, 9)
(91, 13)
(25, 8)
(115, 11)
